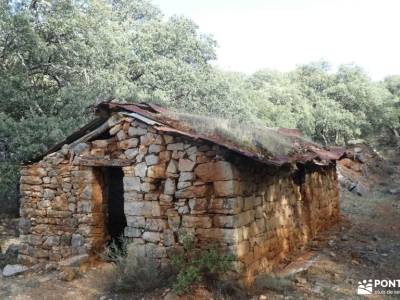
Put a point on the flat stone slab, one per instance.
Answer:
(74, 261)
(301, 263)
(12, 270)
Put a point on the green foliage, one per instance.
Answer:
(329, 107)
(133, 273)
(392, 83)
(8, 187)
(391, 112)
(59, 58)
(194, 265)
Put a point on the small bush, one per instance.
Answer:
(194, 266)
(273, 283)
(132, 273)
(227, 290)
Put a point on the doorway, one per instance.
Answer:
(114, 198)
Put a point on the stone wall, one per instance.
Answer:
(281, 215)
(172, 186)
(61, 211)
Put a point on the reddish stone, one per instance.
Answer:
(193, 192)
(214, 171)
(130, 143)
(34, 180)
(186, 165)
(157, 171)
(227, 188)
(196, 221)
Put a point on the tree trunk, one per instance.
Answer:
(397, 136)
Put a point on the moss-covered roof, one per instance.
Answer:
(274, 146)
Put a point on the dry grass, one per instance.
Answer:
(270, 282)
(132, 273)
(249, 135)
(227, 290)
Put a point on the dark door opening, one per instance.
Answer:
(114, 196)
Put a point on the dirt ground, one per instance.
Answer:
(364, 245)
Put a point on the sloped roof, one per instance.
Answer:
(297, 148)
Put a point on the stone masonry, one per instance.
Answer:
(173, 185)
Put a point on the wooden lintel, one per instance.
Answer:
(100, 162)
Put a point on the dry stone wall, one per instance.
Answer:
(61, 215)
(281, 216)
(172, 186)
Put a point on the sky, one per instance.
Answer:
(281, 34)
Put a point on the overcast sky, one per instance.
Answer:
(280, 34)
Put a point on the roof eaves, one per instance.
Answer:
(70, 139)
(142, 118)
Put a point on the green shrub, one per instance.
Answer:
(194, 266)
(9, 187)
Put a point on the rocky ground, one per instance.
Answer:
(8, 240)
(365, 245)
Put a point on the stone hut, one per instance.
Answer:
(136, 172)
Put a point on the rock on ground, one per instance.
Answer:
(68, 273)
(74, 261)
(11, 270)
(10, 257)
